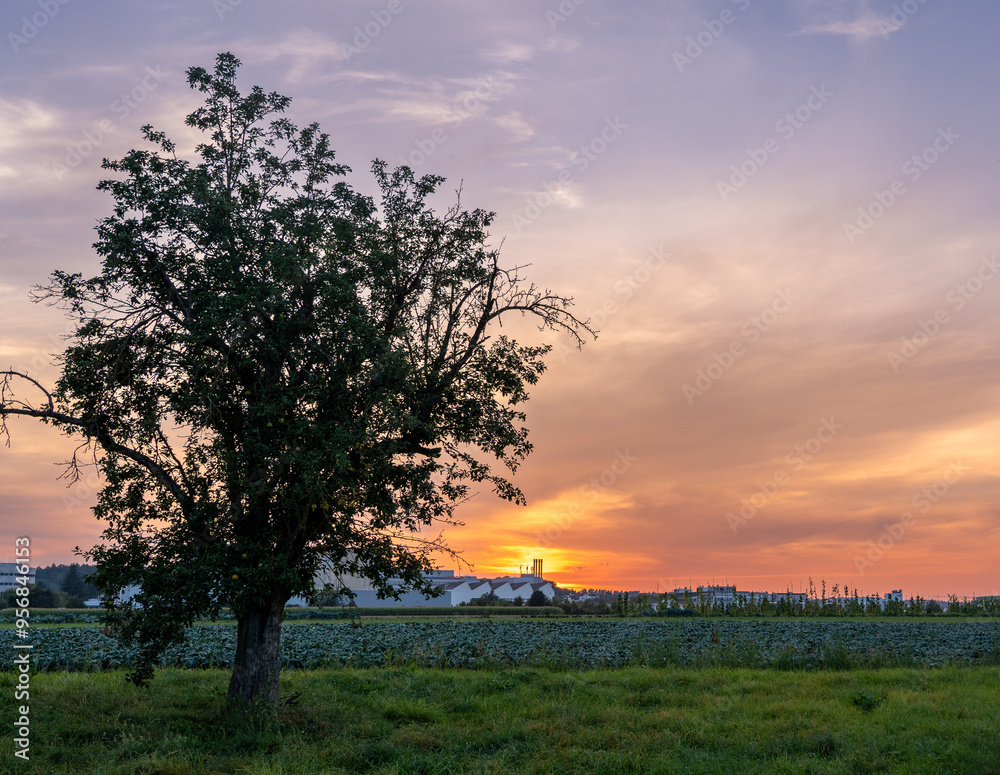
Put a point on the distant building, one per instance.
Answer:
(726, 596)
(797, 599)
(455, 590)
(9, 576)
(715, 594)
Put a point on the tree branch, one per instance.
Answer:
(91, 428)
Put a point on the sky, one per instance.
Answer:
(781, 216)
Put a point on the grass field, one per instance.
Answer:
(631, 720)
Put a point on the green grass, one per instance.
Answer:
(633, 720)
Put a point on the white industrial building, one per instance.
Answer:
(9, 576)
(455, 590)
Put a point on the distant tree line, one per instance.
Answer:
(537, 599)
(57, 586)
(840, 602)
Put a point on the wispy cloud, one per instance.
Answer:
(865, 25)
(25, 128)
(517, 125)
(561, 45)
(21, 121)
(566, 195)
(305, 50)
(509, 53)
(434, 100)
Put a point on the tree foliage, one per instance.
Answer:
(276, 374)
(72, 583)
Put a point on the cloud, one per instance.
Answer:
(568, 195)
(867, 26)
(509, 53)
(430, 101)
(516, 124)
(21, 121)
(25, 127)
(305, 48)
(561, 45)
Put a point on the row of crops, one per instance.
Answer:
(569, 644)
(8, 616)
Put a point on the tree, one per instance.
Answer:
(72, 584)
(276, 374)
(42, 598)
(538, 598)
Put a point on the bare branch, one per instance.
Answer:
(91, 428)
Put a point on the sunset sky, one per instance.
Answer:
(782, 215)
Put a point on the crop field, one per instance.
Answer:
(571, 644)
(94, 616)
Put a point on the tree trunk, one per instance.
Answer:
(258, 654)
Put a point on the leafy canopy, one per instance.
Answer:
(276, 373)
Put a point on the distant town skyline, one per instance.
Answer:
(781, 216)
(672, 584)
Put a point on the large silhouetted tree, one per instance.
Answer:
(275, 374)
